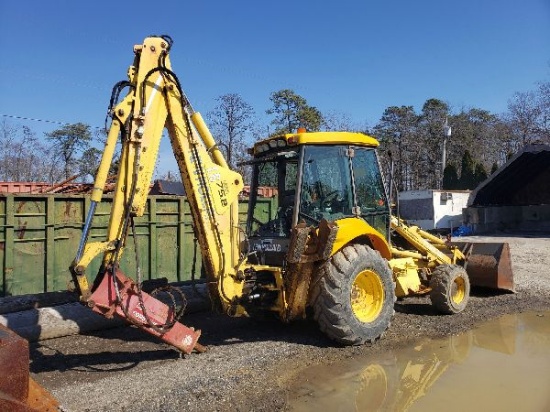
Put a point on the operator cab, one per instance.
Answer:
(311, 176)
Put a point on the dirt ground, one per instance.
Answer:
(250, 365)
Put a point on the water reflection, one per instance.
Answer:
(492, 367)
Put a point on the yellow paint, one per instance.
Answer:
(405, 274)
(412, 235)
(352, 228)
(367, 296)
(155, 103)
(212, 188)
(458, 290)
(346, 138)
(322, 138)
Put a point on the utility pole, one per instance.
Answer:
(446, 136)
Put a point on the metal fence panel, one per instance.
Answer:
(39, 235)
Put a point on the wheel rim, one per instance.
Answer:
(367, 296)
(458, 290)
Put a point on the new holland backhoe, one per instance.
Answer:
(332, 249)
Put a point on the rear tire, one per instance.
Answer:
(450, 289)
(353, 296)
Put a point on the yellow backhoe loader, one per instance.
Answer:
(333, 247)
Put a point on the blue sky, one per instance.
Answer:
(60, 59)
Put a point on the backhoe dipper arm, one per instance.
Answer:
(156, 101)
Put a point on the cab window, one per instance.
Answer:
(369, 189)
(325, 191)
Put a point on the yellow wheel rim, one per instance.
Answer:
(458, 290)
(367, 296)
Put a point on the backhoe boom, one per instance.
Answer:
(155, 101)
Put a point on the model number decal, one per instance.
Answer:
(268, 247)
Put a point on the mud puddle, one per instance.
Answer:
(502, 365)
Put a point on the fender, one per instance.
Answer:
(351, 228)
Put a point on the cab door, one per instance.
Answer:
(370, 194)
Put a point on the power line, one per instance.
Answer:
(42, 120)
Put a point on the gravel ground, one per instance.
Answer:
(250, 365)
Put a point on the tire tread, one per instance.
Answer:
(331, 290)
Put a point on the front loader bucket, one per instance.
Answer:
(488, 264)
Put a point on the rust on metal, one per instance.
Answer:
(488, 265)
(261, 191)
(18, 391)
(71, 188)
(309, 244)
(23, 187)
(105, 302)
(65, 187)
(39, 399)
(14, 364)
(308, 247)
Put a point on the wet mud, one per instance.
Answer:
(503, 364)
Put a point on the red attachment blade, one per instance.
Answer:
(104, 301)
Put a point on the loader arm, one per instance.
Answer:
(155, 102)
(487, 264)
(427, 247)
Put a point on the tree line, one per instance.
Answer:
(62, 154)
(480, 141)
(411, 141)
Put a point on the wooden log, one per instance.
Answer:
(63, 320)
(11, 304)
(75, 318)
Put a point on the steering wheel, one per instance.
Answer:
(329, 197)
(302, 214)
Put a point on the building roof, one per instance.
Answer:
(166, 187)
(523, 180)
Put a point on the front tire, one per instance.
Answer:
(450, 289)
(353, 296)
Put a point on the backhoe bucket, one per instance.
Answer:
(488, 264)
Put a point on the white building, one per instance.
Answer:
(433, 209)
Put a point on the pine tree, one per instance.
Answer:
(450, 177)
(467, 173)
(480, 174)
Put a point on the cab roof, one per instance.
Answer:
(314, 138)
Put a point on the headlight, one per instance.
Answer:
(263, 148)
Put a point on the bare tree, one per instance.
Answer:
(543, 100)
(231, 122)
(428, 171)
(523, 114)
(171, 176)
(23, 157)
(339, 122)
(8, 135)
(415, 142)
(397, 131)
